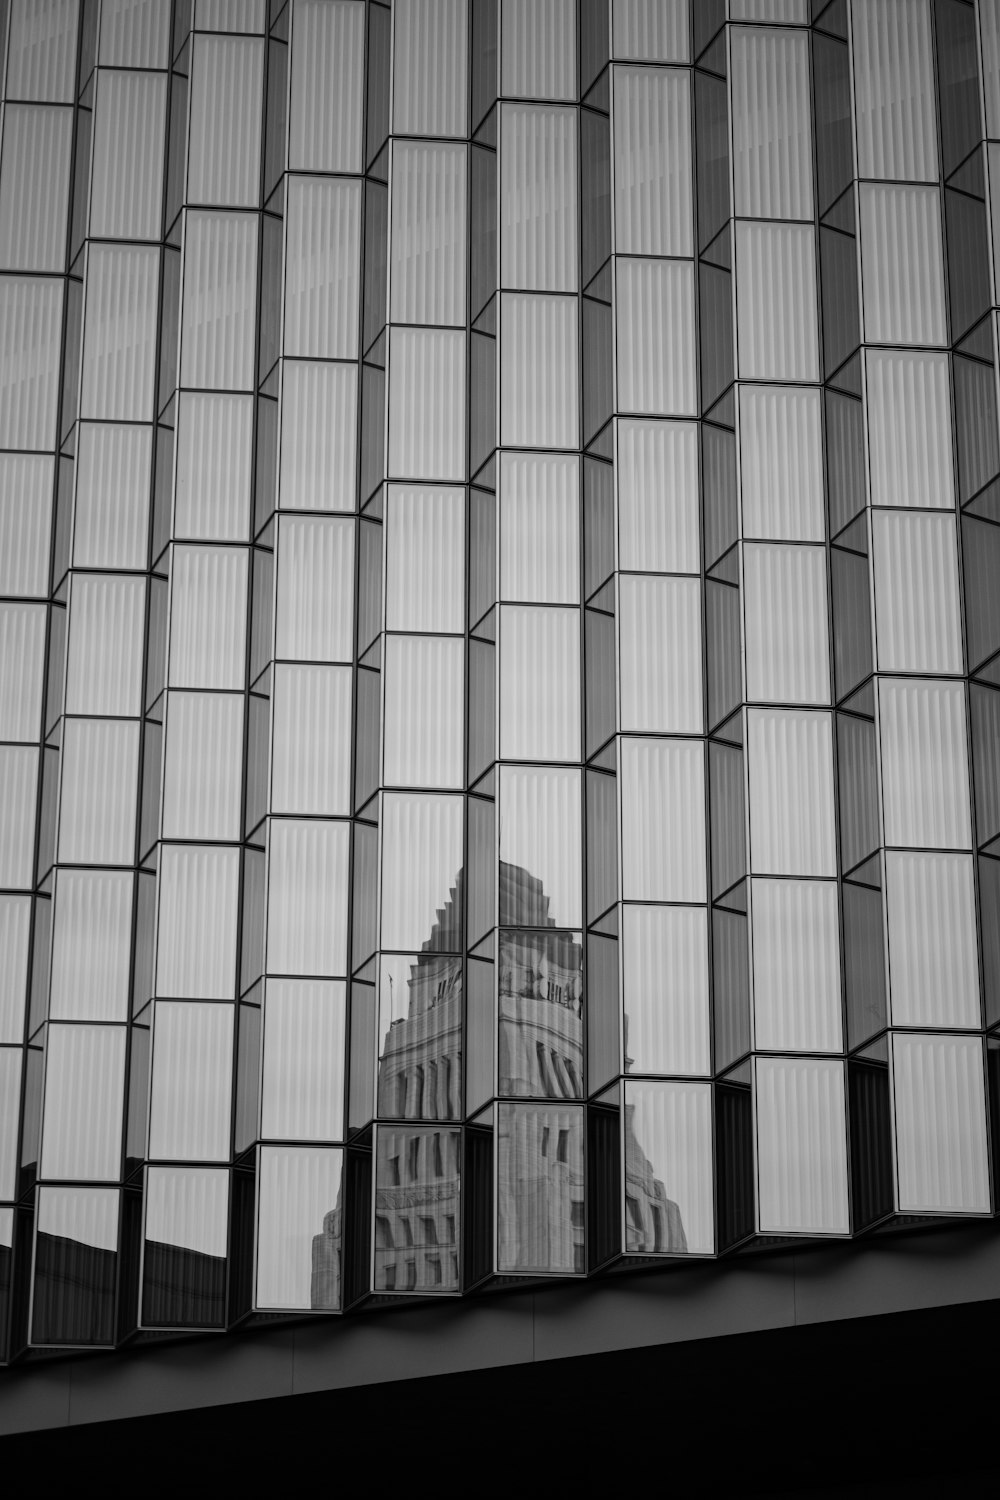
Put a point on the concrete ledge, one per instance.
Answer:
(934, 1268)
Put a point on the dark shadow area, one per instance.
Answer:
(898, 1405)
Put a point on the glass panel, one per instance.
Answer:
(539, 401)
(653, 166)
(417, 1217)
(652, 30)
(322, 267)
(801, 1147)
(668, 1169)
(196, 934)
(30, 333)
(421, 862)
(18, 790)
(311, 740)
(134, 34)
(426, 404)
(539, 528)
(776, 302)
(538, 199)
(190, 1102)
(107, 618)
(772, 139)
(120, 344)
(925, 775)
(315, 598)
(305, 1023)
(791, 793)
(425, 559)
(909, 430)
(299, 1200)
(34, 187)
(318, 436)
(781, 463)
(76, 1256)
(202, 775)
(901, 257)
(424, 720)
(208, 617)
(788, 651)
(540, 1188)
(539, 683)
(658, 516)
(894, 90)
(665, 990)
(541, 874)
(112, 496)
(100, 773)
(940, 1118)
(663, 820)
(538, 53)
(656, 343)
(10, 1099)
(214, 455)
(15, 925)
(220, 297)
(796, 966)
(420, 1036)
(307, 897)
(84, 1088)
(933, 972)
(429, 78)
(184, 1259)
(227, 77)
(326, 101)
(540, 1015)
(22, 670)
(427, 274)
(916, 592)
(129, 125)
(91, 946)
(25, 513)
(661, 657)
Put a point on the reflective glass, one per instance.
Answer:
(539, 683)
(420, 1036)
(665, 989)
(424, 699)
(653, 163)
(315, 590)
(227, 76)
(311, 740)
(791, 792)
(307, 897)
(84, 1084)
(540, 1015)
(776, 302)
(658, 519)
(15, 924)
(18, 785)
(801, 1146)
(924, 757)
(129, 124)
(772, 139)
(22, 670)
(538, 50)
(208, 617)
(220, 295)
(429, 78)
(660, 654)
(788, 652)
(76, 1246)
(931, 909)
(104, 670)
(918, 626)
(34, 183)
(214, 455)
(421, 861)
(302, 1091)
(112, 496)
(903, 273)
(427, 270)
(668, 1169)
(91, 946)
(190, 1105)
(939, 1111)
(100, 772)
(909, 430)
(796, 966)
(298, 1197)
(656, 337)
(539, 407)
(417, 1219)
(538, 207)
(184, 1256)
(425, 559)
(541, 873)
(322, 267)
(326, 99)
(202, 773)
(781, 463)
(196, 931)
(540, 1188)
(426, 404)
(663, 820)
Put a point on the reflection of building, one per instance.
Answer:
(540, 1060)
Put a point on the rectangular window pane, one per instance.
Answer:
(203, 765)
(652, 30)
(539, 1182)
(894, 90)
(227, 76)
(665, 970)
(22, 670)
(299, 1196)
(30, 332)
(933, 973)
(303, 1079)
(776, 302)
(421, 861)
(791, 793)
(781, 463)
(425, 559)
(424, 721)
(429, 228)
(541, 876)
(196, 935)
(214, 454)
(34, 187)
(25, 517)
(315, 590)
(208, 617)
(107, 618)
(772, 139)
(220, 297)
(429, 78)
(91, 946)
(112, 496)
(796, 966)
(100, 769)
(319, 405)
(658, 516)
(311, 740)
(307, 897)
(663, 820)
(84, 1088)
(903, 274)
(801, 1147)
(668, 1200)
(539, 684)
(788, 650)
(653, 164)
(925, 775)
(120, 333)
(656, 343)
(190, 1103)
(538, 56)
(916, 592)
(539, 528)
(660, 654)
(426, 404)
(129, 125)
(327, 93)
(538, 207)
(909, 430)
(539, 372)
(322, 267)
(940, 1120)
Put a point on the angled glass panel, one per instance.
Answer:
(796, 966)
(668, 1169)
(651, 30)
(801, 1146)
(190, 1103)
(425, 559)
(326, 98)
(84, 1089)
(307, 897)
(909, 429)
(430, 73)
(100, 773)
(653, 162)
(902, 268)
(421, 864)
(781, 463)
(129, 131)
(424, 721)
(30, 330)
(939, 1110)
(34, 187)
(25, 521)
(772, 138)
(658, 515)
(318, 436)
(924, 756)
(299, 1198)
(776, 302)
(791, 792)
(660, 654)
(76, 1264)
(540, 1188)
(656, 337)
(538, 198)
(665, 989)
(203, 766)
(208, 617)
(663, 820)
(322, 267)
(302, 1095)
(314, 611)
(184, 1255)
(894, 90)
(22, 670)
(429, 229)
(541, 876)
(311, 740)
(15, 925)
(104, 671)
(539, 372)
(112, 496)
(417, 1219)
(218, 318)
(931, 908)
(538, 50)
(42, 50)
(227, 77)
(918, 624)
(420, 1036)
(91, 946)
(213, 475)
(18, 789)
(426, 404)
(196, 932)
(787, 645)
(119, 345)
(539, 683)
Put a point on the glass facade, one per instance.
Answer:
(499, 643)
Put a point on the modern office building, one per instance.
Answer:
(499, 653)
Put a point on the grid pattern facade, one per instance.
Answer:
(499, 643)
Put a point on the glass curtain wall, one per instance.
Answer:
(499, 643)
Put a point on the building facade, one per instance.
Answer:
(499, 644)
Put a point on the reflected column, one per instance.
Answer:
(40, 86)
(527, 1072)
(180, 1103)
(407, 997)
